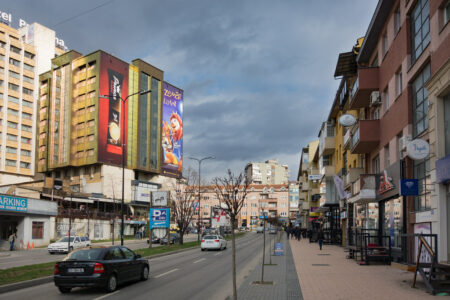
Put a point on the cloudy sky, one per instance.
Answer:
(257, 75)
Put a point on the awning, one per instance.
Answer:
(361, 200)
(346, 64)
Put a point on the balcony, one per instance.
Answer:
(327, 146)
(346, 139)
(366, 83)
(305, 186)
(327, 171)
(352, 176)
(366, 137)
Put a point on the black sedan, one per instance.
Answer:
(100, 267)
(174, 237)
(155, 240)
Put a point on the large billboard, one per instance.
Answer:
(219, 217)
(159, 218)
(172, 131)
(112, 111)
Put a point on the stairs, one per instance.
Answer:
(436, 277)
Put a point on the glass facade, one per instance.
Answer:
(154, 123)
(143, 121)
(420, 101)
(393, 221)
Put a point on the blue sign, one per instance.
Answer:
(443, 170)
(279, 250)
(159, 218)
(409, 187)
(13, 203)
(263, 217)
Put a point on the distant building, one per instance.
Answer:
(268, 172)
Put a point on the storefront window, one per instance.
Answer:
(393, 222)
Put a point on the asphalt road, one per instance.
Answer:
(9, 259)
(191, 274)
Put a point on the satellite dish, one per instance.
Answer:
(347, 120)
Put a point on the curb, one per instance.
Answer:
(24, 284)
(170, 253)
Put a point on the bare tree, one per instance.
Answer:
(183, 204)
(231, 191)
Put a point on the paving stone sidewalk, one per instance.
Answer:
(327, 274)
(282, 274)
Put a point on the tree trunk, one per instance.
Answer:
(233, 243)
(181, 237)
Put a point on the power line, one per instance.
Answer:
(83, 13)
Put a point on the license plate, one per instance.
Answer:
(75, 270)
(209, 242)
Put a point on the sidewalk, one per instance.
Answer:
(281, 273)
(327, 274)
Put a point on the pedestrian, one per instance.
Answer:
(12, 239)
(297, 233)
(292, 231)
(287, 231)
(320, 238)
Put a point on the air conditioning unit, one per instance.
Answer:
(403, 142)
(375, 98)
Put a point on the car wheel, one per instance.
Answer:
(144, 273)
(52, 253)
(64, 290)
(111, 284)
(203, 249)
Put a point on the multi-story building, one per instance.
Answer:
(294, 203)
(272, 199)
(24, 54)
(268, 172)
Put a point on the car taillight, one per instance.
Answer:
(56, 270)
(98, 268)
(203, 241)
(217, 241)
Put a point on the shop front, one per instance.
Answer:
(30, 219)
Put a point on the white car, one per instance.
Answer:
(259, 229)
(61, 245)
(213, 242)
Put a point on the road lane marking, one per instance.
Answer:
(218, 253)
(168, 272)
(107, 295)
(197, 261)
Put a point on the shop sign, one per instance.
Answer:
(13, 203)
(443, 170)
(367, 186)
(279, 250)
(385, 187)
(314, 177)
(160, 218)
(418, 149)
(347, 120)
(409, 187)
(160, 198)
(386, 183)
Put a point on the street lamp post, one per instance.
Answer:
(199, 210)
(143, 92)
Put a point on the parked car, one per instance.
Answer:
(155, 240)
(99, 267)
(174, 237)
(259, 229)
(61, 245)
(213, 242)
(273, 230)
(227, 230)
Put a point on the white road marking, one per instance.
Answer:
(168, 272)
(197, 261)
(107, 295)
(218, 253)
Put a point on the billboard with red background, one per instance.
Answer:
(112, 111)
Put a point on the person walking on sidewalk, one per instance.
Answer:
(12, 239)
(320, 238)
(287, 231)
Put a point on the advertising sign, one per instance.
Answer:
(172, 131)
(160, 218)
(160, 198)
(219, 217)
(141, 190)
(13, 203)
(112, 110)
(443, 169)
(409, 187)
(278, 249)
(315, 177)
(418, 149)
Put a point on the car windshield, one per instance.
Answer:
(86, 254)
(65, 239)
(210, 237)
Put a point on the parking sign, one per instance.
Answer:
(160, 218)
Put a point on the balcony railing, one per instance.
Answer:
(366, 137)
(366, 82)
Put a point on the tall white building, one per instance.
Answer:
(268, 172)
(24, 54)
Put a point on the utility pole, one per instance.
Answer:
(150, 230)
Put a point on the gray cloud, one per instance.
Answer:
(257, 75)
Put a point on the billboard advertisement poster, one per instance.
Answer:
(112, 110)
(219, 217)
(160, 218)
(160, 198)
(172, 131)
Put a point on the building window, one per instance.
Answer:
(376, 165)
(420, 28)
(25, 165)
(397, 20)
(27, 91)
(38, 230)
(28, 79)
(422, 173)
(11, 137)
(25, 152)
(398, 83)
(13, 112)
(11, 150)
(385, 44)
(10, 163)
(15, 49)
(13, 87)
(28, 55)
(27, 103)
(26, 128)
(25, 140)
(386, 99)
(14, 62)
(28, 67)
(420, 101)
(12, 125)
(447, 13)
(14, 74)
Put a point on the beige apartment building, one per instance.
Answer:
(24, 53)
(268, 172)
